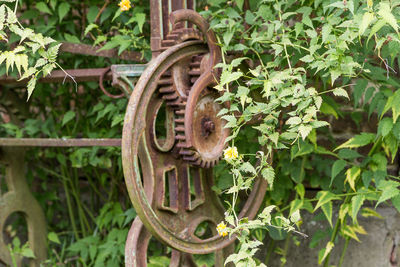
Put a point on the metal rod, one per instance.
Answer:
(58, 142)
(80, 75)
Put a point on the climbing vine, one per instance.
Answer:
(289, 68)
(292, 71)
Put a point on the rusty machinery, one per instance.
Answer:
(168, 171)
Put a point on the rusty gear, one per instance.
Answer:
(175, 86)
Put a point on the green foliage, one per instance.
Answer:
(296, 65)
(289, 68)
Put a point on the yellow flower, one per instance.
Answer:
(370, 3)
(125, 5)
(221, 228)
(231, 153)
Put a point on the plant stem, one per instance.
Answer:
(69, 205)
(334, 234)
(269, 251)
(344, 251)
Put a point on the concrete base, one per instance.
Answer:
(379, 248)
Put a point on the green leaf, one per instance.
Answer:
(349, 231)
(340, 92)
(90, 27)
(358, 91)
(307, 58)
(268, 174)
(27, 252)
(385, 126)
(368, 212)
(396, 202)
(141, 19)
(295, 217)
(389, 190)
(41, 6)
(300, 190)
(31, 86)
(377, 26)
(365, 22)
(324, 197)
(346, 153)
(362, 139)
(337, 167)
(327, 209)
(63, 10)
(92, 13)
(367, 178)
(323, 253)
(304, 130)
(351, 176)
(356, 203)
(386, 14)
(396, 105)
(53, 238)
(293, 120)
(68, 117)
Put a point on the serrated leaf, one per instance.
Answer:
(396, 202)
(268, 174)
(304, 131)
(31, 86)
(52, 53)
(385, 126)
(307, 58)
(386, 14)
(349, 231)
(362, 139)
(389, 191)
(325, 252)
(324, 197)
(367, 18)
(368, 212)
(337, 167)
(356, 203)
(377, 26)
(340, 92)
(90, 27)
(293, 120)
(11, 17)
(327, 210)
(351, 176)
(396, 105)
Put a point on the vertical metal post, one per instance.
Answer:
(159, 19)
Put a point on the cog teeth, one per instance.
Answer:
(180, 129)
(191, 158)
(180, 137)
(170, 97)
(180, 120)
(194, 72)
(177, 101)
(165, 81)
(185, 152)
(167, 90)
(182, 145)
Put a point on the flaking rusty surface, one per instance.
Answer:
(171, 195)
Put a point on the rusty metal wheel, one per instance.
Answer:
(172, 197)
(137, 246)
